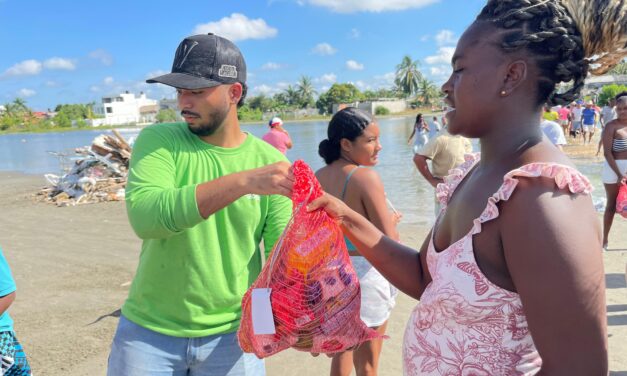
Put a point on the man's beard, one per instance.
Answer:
(214, 122)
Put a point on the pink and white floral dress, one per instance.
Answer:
(465, 324)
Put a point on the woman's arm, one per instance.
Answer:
(402, 266)
(413, 132)
(373, 198)
(558, 272)
(6, 301)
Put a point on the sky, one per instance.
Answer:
(67, 52)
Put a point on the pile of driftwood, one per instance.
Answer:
(98, 174)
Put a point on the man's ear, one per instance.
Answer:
(515, 75)
(235, 92)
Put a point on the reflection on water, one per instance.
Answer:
(405, 188)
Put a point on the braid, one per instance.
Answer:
(544, 29)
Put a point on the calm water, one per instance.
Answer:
(407, 190)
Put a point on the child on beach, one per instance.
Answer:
(510, 279)
(14, 362)
(352, 143)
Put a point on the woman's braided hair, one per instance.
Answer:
(567, 38)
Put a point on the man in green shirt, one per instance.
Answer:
(201, 195)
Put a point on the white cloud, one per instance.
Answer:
(445, 37)
(353, 65)
(327, 78)
(108, 81)
(24, 68)
(59, 63)
(354, 34)
(352, 6)
(271, 66)
(51, 83)
(283, 85)
(323, 49)
(440, 73)
(94, 89)
(238, 27)
(264, 89)
(444, 56)
(25, 93)
(102, 56)
(361, 85)
(385, 80)
(424, 38)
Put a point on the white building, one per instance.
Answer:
(125, 108)
(2, 109)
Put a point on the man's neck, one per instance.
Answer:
(229, 135)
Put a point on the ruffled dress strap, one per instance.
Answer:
(565, 177)
(444, 190)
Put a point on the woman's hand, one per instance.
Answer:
(335, 207)
(396, 217)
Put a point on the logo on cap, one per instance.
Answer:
(228, 71)
(182, 52)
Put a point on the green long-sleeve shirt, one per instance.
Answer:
(193, 272)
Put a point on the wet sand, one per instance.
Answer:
(73, 267)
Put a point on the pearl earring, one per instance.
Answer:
(503, 92)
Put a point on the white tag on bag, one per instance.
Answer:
(263, 321)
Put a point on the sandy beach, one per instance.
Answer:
(73, 268)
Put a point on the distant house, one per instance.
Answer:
(125, 108)
(393, 105)
(596, 82)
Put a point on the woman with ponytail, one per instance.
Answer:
(510, 279)
(353, 143)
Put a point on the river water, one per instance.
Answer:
(406, 189)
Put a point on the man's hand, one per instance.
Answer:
(272, 179)
(435, 181)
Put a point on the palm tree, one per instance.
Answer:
(293, 97)
(408, 76)
(428, 91)
(306, 92)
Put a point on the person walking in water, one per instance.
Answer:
(421, 133)
(510, 279)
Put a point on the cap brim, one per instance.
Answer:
(183, 81)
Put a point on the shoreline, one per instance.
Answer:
(73, 266)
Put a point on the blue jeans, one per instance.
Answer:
(137, 351)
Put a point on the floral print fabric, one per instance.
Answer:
(464, 324)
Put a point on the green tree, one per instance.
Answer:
(306, 92)
(428, 91)
(166, 115)
(261, 102)
(338, 93)
(408, 76)
(292, 96)
(608, 92)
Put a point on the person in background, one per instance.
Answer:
(550, 114)
(615, 166)
(13, 360)
(352, 146)
(608, 113)
(436, 124)
(553, 132)
(421, 133)
(510, 279)
(445, 152)
(564, 118)
(202, 195)
(588, 121)
(575, 129)
(277, 136)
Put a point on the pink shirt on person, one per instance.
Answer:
(278, 139)
(563, 113)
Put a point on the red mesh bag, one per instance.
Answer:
(315, 294)
(621, 199)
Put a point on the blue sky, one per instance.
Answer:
(61, 52)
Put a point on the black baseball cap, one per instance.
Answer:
(204, 60)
